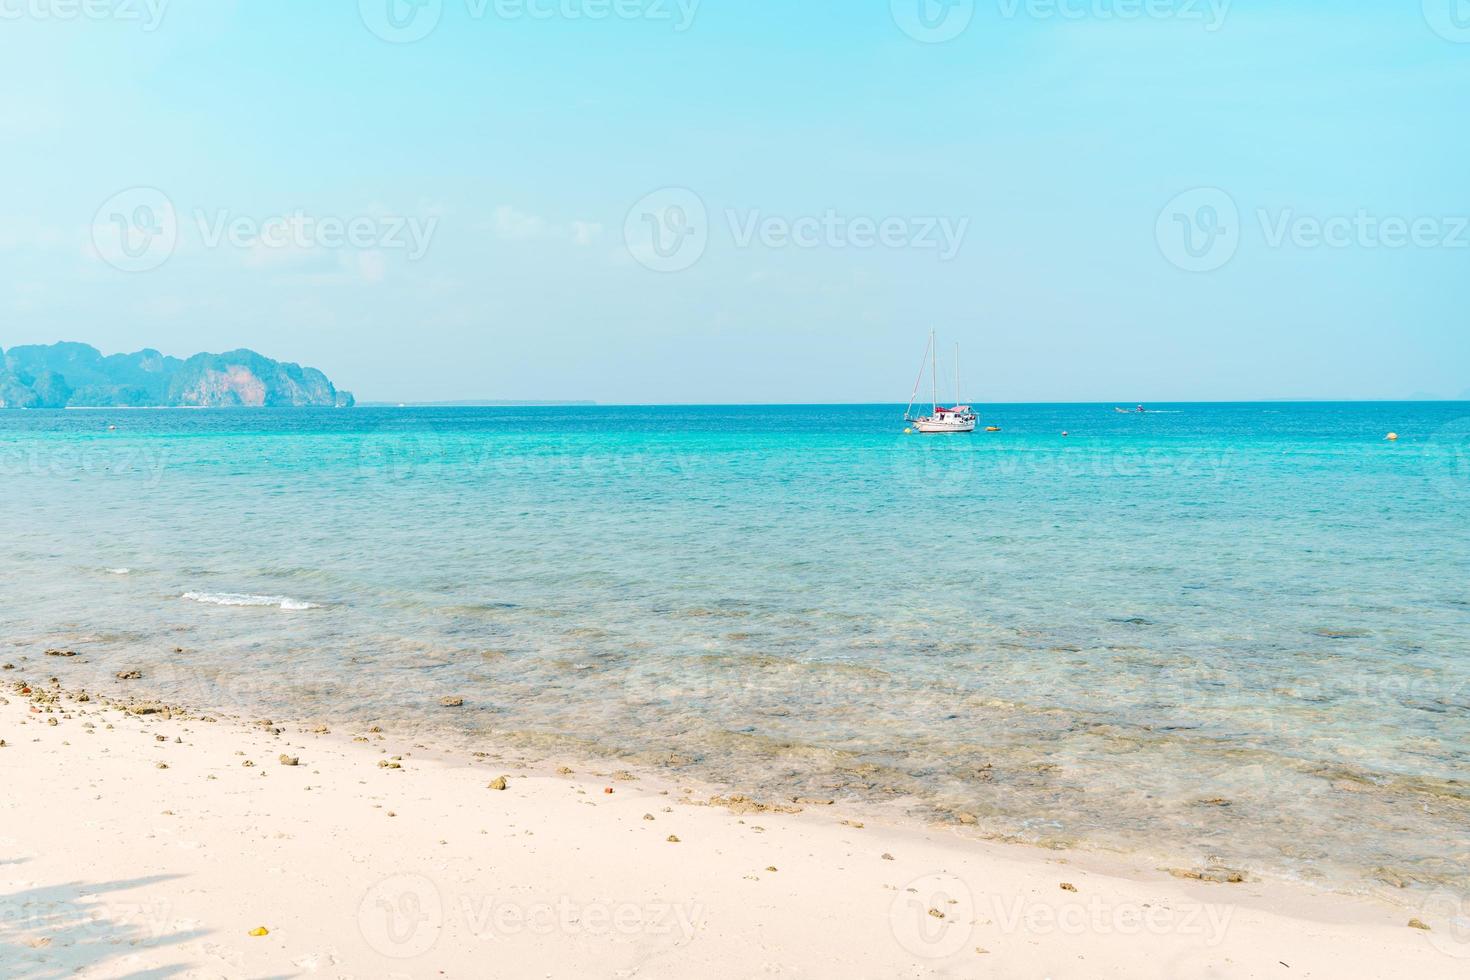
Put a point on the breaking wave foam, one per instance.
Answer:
(242, 599)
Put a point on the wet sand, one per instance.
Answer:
(139, 839)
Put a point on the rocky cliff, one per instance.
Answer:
(78, 375)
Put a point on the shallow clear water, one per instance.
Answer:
(1214, 632)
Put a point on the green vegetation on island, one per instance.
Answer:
(73, 375)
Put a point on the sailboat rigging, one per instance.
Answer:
(959, 418)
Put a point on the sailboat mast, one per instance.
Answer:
(958, 399)
(914, 395)
(934, 370)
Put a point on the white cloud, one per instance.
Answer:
(585, 232)
(513, 225)
(371, 266)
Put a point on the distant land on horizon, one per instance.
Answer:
(76, 375)
(1128, 403)
(484, 403)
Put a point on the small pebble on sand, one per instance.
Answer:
(673, 839)
(497, 783)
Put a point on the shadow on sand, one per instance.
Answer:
(55, 931)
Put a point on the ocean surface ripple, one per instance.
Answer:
(1231, 634)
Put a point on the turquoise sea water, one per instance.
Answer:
(1235, 633)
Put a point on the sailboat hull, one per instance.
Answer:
(960, 418)
(945, 425)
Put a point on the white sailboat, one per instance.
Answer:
(959, 418)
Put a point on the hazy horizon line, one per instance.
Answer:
(1122, 403)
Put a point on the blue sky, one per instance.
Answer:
(829, 181)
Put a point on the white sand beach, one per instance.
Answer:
(166, 845)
